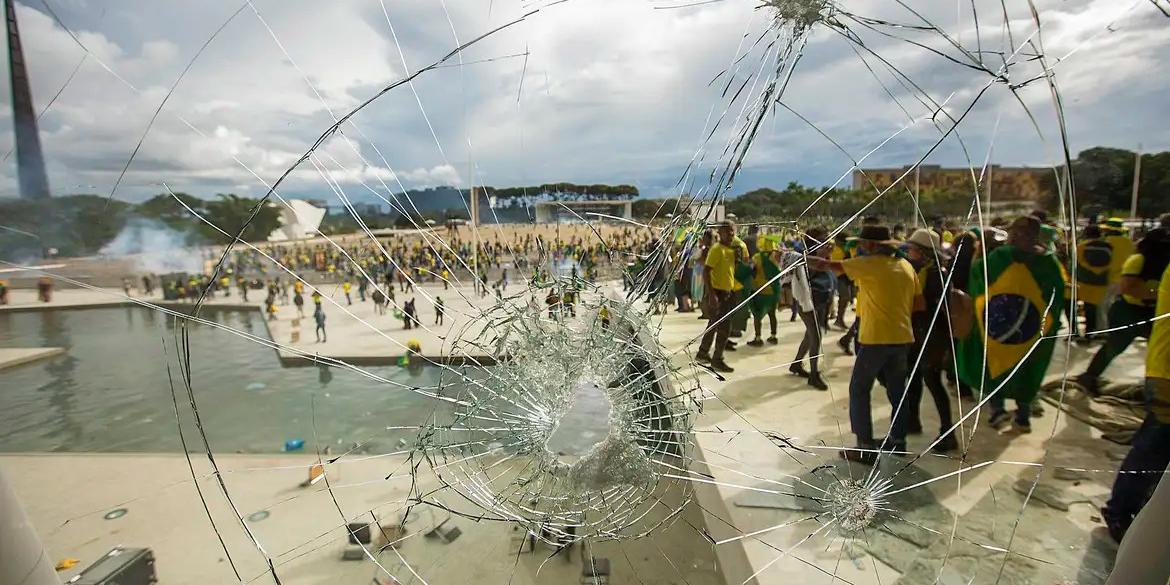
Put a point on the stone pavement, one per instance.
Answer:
(945, 520)
(301, 528)
(960, 519)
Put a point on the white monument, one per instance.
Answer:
(298, 220)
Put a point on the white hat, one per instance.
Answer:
(927, 239)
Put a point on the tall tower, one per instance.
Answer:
(30, 163)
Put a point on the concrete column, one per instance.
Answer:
(22, 557)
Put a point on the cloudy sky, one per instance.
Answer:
(588, 91)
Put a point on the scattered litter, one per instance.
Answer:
(66, 564)
(115, 514)
(294, 444)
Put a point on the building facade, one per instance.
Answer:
(1031, 184)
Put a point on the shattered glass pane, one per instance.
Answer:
(309, 325)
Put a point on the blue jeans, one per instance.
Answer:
(1023, 418)
(1142, 468)
(886, 363)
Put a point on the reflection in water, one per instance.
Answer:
(62, 389)
(111, 391)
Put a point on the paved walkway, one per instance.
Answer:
(751, 469)
(744, 500)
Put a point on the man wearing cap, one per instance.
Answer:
(719, 296)
(887, 296)
(932, 340)
(1130, 313)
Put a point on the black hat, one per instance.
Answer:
(876, 233)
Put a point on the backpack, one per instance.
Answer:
(961, 311)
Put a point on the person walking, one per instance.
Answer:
(439, 310)
(1017, 314)
(1143, 466)
(1131, 312)
(299, 303)
(842, 250)
(887, 298)
(930, 354)
(345, 287)
(766, 269)
(319, 319)
(796, 273)
(719, 297)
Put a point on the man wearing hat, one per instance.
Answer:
(887, 296)
(932, 340)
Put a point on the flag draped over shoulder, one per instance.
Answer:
(765, 283)
(1021, 304)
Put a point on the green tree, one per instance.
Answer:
(166, 209)
(234, 215)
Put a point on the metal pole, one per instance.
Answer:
(22, 557)
(917, 192)
(1137, 176)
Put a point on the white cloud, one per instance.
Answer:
(613, 91)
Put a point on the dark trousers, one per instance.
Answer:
(811, 344)
(929, 372)
(844, 297)
(1140, 471)
(718, 324)
(1090, 318)
(886, 363)
(1125, 315)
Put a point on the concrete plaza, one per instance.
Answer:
(957, 519)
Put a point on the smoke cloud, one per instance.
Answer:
(154, 247)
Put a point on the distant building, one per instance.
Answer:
(1006, 183)
(298, 220)
(578, 211)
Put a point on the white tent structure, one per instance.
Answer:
(298, 220)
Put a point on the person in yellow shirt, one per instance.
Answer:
(719, 287)
(1130, 313)
(887, 297)
(1147, 459)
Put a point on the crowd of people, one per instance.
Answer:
(981, 308)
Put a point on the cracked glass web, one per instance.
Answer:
(574, 432)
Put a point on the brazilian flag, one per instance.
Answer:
(1094, 257)
(766, 296)
(1021, 304)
